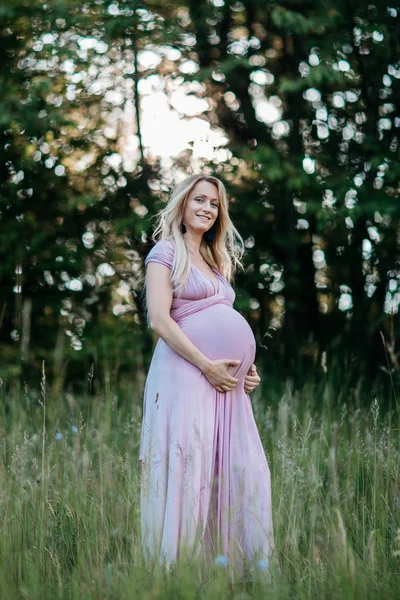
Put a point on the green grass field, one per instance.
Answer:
(69, 500)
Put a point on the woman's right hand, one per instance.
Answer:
(217, 374)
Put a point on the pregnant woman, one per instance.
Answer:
(205, 480)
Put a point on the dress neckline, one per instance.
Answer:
(215, 286)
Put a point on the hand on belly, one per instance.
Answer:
(222, 334)
(218, 375)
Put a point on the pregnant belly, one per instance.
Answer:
(219, 331)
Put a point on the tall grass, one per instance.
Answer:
(69, 500)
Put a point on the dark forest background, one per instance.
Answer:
(306, 95)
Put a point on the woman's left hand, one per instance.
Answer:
(251, 380)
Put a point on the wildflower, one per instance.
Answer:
(221, 560)
(59, 435)
(74, 429)
(262, 564)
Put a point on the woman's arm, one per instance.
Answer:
(159, 299)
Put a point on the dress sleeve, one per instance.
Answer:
(162, 252)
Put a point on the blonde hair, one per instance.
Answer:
(226, 249)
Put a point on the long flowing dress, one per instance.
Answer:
(205, 480)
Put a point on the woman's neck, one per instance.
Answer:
(193, 243)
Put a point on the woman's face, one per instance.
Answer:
(202, 205)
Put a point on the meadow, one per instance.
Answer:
(70, 491)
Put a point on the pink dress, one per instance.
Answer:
(205, 480)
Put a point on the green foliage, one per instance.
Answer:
(294, 22)
(306, 95)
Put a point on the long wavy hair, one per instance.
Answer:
(226, 249)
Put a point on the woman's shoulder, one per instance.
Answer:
(162, 252)
(166, 245)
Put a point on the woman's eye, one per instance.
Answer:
(202, 200)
